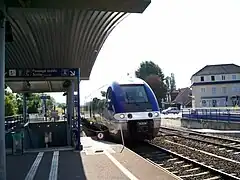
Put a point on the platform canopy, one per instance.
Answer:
(62, 33)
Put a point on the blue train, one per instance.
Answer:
(130, 106)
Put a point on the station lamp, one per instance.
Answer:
(66, 84)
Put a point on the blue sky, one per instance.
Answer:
(180, 36)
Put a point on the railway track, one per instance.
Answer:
(184, 167)
(224, 142)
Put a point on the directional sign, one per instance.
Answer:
(72, 73)
(41, 72)
(45, 97)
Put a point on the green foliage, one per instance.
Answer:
(153, 75)
(103, 93)
(148, 68)
(14, 103)
(96, 105)
(33, 103)
(158, 87)
(10, 104)
(62, 105)
(170, 82)
(50, 103)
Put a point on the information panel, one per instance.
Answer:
(17, 73)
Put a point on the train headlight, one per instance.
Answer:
(122, 116)
(156, 114)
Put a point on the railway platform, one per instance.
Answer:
(98, 160)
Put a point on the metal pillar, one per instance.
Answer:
(72, 104)
(24, 107)
(70, 94)
(68, 117)
(2, 89)
(79, 146)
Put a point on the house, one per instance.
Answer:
(179, 98)
(216, 86)
(184, 98)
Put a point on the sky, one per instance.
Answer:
(180, 36)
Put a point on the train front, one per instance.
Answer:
(136, 110)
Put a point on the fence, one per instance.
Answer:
(226, 114)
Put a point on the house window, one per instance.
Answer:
(234, 77)
(202, 78)
(214, 90)
(224, 90)
(213, 78)
(204, 103)
(214, 103)
(235, 89)
(223, 77)
(203, 90)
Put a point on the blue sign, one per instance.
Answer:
(76, 104)
(41, 73)
(45, 97)
(75, 98)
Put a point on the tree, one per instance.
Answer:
(61, 105)
(94, 104)
(153, 75)
(103, 93)
(148, 68)
(172, 82)
(50, 103)
(10, 104)
(33, 103)
(158, 87)
(168, 83)
(19, 99)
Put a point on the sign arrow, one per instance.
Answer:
(72, 73)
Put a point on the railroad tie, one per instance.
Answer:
(213, 178)
(194, 175)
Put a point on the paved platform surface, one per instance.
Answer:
(97, 161)
(67, 166)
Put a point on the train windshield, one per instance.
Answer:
(134, 94)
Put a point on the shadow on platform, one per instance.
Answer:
(69, 165)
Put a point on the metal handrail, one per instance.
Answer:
(12, 121)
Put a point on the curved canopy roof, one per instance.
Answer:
(58, 38)
(62, 33)
(48, 36)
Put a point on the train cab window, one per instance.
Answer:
(134, 93)
(109, 99)
(109, 94)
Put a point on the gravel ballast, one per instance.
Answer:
(217, 163)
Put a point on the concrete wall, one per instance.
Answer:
(209, 124)
(200, 124)
(170, 122)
